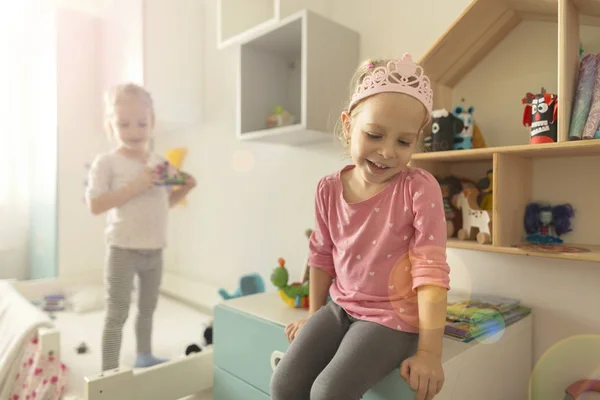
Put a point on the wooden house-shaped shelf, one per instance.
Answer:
(557, 172)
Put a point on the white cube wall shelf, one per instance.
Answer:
(303, 63)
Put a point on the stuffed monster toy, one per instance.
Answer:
(541, 111)
(444, 128)
(464, 139)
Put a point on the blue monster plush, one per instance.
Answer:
(464, 140)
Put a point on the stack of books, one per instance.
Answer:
(474, 316)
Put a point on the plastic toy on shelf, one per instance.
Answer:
(280, 117)
(476, 223)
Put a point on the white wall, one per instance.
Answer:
(80, 137)
(100, 43)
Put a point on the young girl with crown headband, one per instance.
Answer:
(378, 249)
(126, 184)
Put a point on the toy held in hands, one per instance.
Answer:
(295, 294)
(545, 224)
(169, 175)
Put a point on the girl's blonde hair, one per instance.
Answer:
(119, 92)
(365, 69)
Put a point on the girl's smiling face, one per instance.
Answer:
(383, 135)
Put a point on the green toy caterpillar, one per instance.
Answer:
(295, 294)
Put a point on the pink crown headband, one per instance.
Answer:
(399, 76)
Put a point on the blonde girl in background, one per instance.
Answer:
(124, 183)
(378, 249)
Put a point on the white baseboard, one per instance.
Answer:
(193, 292)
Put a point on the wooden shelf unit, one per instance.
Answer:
(482, 26)
(513, 168)
(485, 23)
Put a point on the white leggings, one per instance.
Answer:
(121, 267)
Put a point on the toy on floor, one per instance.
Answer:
(208, 340)
(280, 117)
(485, 186)
(53, 302)
(192, 348)
(545, 224)
(295, 294)
(540, 114)
(208, 335)
(476, 223)
(82, 348)
(249, 284)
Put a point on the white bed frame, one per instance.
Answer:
(187, 376)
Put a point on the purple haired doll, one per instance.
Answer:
(544, 223)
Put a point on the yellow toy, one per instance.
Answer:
(176, 158)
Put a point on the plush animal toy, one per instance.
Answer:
(464, 139)
(295, 294)
(444, 128)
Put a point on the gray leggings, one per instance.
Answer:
(335, 356)
(121, 267)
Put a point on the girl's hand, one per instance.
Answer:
(146, 179)
(292, 329)
(424, 373)
(190, 182)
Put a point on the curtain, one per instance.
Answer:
(15, 149)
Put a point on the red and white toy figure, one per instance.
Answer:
(541, 114)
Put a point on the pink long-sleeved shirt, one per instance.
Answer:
(380, 250)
